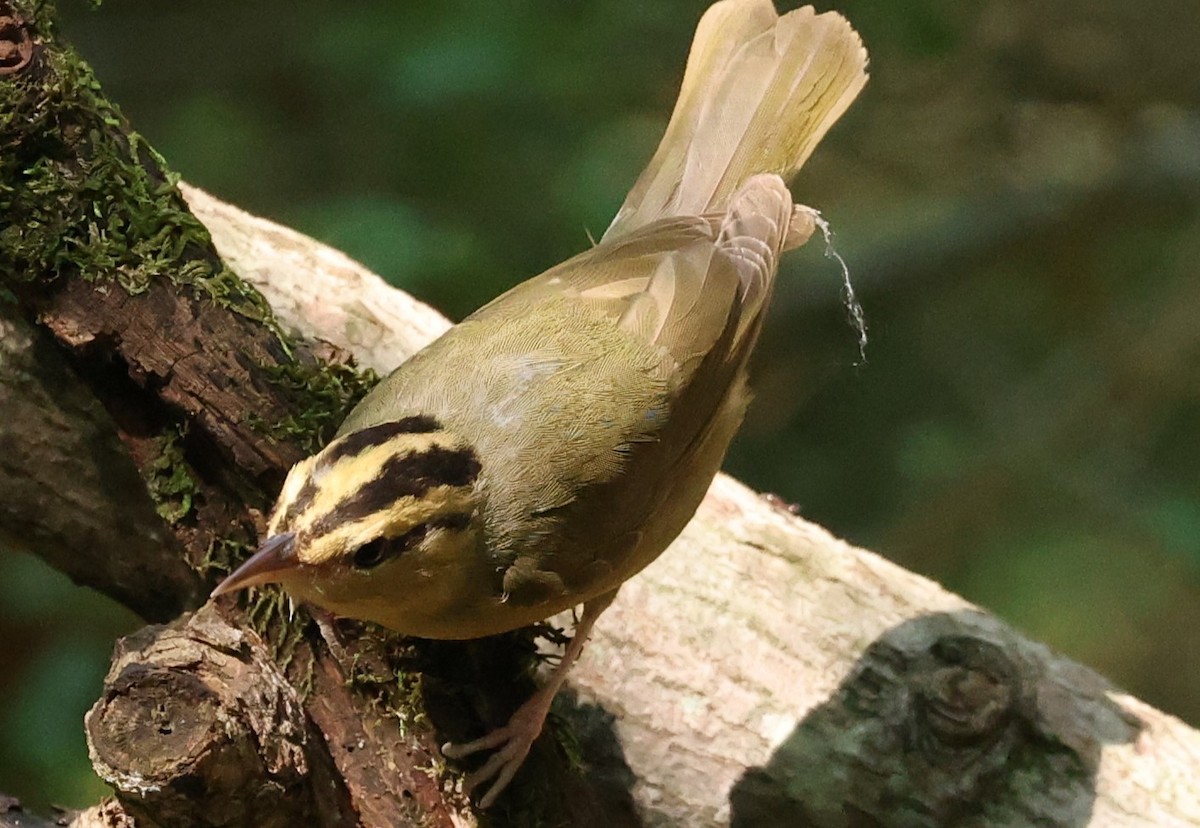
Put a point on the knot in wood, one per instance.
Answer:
(16, 46)
(966, 691)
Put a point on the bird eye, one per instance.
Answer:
(374, 552)
(370, 554)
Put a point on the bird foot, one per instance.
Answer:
(511, 743)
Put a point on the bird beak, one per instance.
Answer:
(274, 559)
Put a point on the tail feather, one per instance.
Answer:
(759, 92)
(753, 234)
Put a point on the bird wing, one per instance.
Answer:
(634, 354)
(674, 285)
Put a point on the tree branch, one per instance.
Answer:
(211, 404)
(71, 492)
(760, 673)
(763, 673)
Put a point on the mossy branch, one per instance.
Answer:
(99, 246)
(212, 401)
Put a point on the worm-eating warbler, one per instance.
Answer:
(552, 444)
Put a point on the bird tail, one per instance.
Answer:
(759, 92)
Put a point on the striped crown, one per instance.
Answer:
(374, 493)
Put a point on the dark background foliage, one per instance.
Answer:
(1017, 194)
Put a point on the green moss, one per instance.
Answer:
(381, 671)
(222, 554)
(568, 740)
(82, 195)
(169, 479)
(282, 625)
(324, 393)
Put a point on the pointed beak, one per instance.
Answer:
(273, 560)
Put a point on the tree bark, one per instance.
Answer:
(761, 673)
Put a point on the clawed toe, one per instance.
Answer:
(513, 741)
(512, 746)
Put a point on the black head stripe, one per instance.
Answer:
(303, 499)
(405, 475)
(357, 442)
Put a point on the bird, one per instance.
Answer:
(552, 444)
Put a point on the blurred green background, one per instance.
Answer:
(1017, 194)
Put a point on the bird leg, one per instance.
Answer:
(513, 741)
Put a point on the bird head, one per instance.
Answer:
(373, 522)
